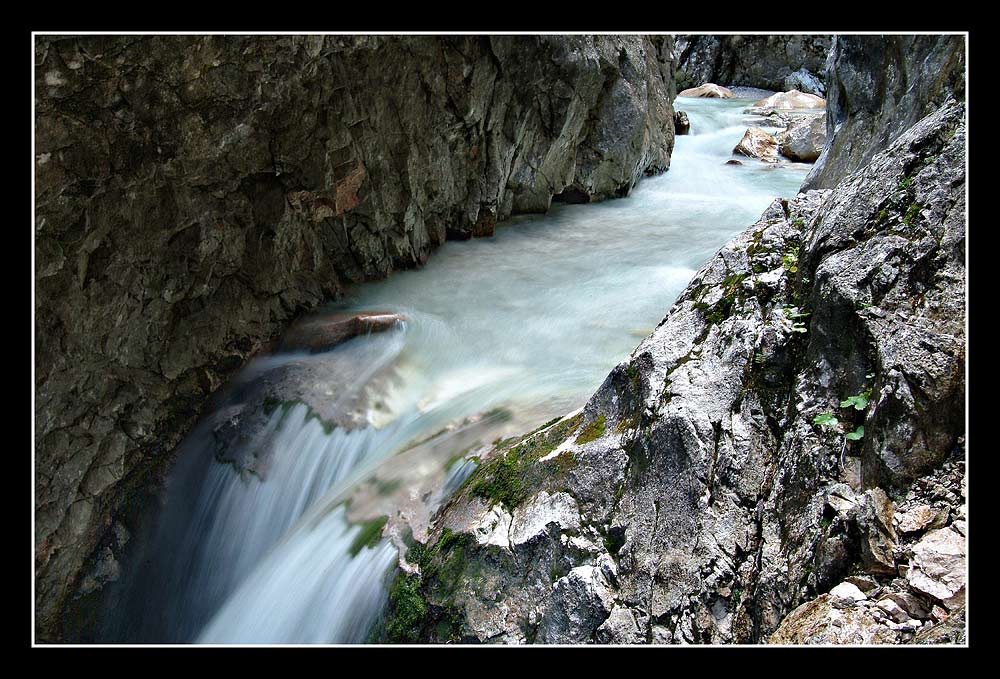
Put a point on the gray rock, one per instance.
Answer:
(195, 194)
(878, 87)
(804, 139)
(724, 506)
(762, 61)
(878, 535)
(805, 81)
(819, 622)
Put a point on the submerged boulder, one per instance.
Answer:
(756, 143)
(708, 90)
(321, 333)
(682, 124)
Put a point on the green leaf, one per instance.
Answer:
(825, 420)
(859, 401)
(856, 434)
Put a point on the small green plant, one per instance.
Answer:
(790, 259)
(826, 420)
(791, 313)
(858, 401)
(856, 434)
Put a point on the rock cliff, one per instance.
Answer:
(755, 452)
(771, 62)
(878, 87)
(194, 194)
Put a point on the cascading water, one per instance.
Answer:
(274, 537)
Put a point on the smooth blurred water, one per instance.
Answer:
(532, 319)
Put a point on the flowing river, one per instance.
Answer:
(500, 335)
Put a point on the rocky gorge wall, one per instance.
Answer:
(878, 87)
(194, 194)
(781, 459)
(770, 62)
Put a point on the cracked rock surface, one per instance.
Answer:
(709, 506)
(196, 193)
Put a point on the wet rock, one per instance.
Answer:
(792, 99)
(708, 90)
(722, 503)
(682, 124)
(733, 161)
(756, 143)
(238, 181)
(321, 333)
(937, 568)
(804, 139)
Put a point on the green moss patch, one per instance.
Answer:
(592, 431)
(370, 534)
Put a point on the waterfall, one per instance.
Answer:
(502, 335)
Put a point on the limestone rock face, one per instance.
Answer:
(196, 193)
(878, 86)
(706, 496)
(756, 143)
(708, 90)
(803, 139)
(771, 62)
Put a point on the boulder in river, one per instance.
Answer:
(756, 143)
(320, 333)
(792, 99)
(682, 124)
(709, 90)
(804, 139)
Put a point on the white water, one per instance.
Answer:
(531, 319)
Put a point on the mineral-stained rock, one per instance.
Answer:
(790, 100)
(878, 86)
(194, 194)
(804, 139)
(756, 143)
(708, 90)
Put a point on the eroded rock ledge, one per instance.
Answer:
(698, 498)
(194, 194)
